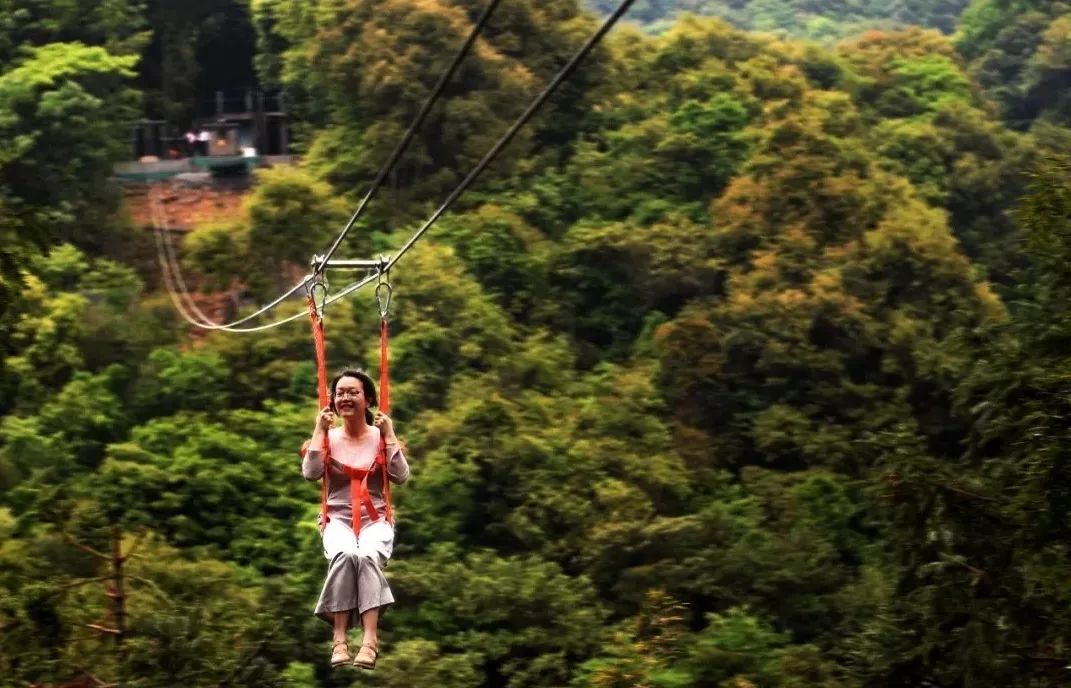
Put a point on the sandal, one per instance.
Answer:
(366, 657)
(340, 654)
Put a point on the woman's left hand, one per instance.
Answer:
(383, 422)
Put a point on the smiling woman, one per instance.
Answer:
(358, 526)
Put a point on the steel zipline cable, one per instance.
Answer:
(158, 228)
(417, 121)
(172, 271)
(305, 314)
(521, 121)
(186, 307)
(465, 183)
(179, 294)
(181, 298)
(204, 322)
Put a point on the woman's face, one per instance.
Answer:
(349, 397)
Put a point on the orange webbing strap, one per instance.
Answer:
(384, 406)
(360, 497)
(384, 376)
(324, 397)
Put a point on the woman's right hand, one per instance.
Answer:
(326, 420)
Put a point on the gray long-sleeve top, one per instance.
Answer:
(360, 454)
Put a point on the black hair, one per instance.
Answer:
(369, 390)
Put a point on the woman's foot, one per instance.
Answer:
(366, 657)
(340, 654)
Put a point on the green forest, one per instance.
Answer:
(747, 364)
(811, 18)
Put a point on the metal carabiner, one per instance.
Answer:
(384, 293)
(312, 283)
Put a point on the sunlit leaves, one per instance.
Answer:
(291, 216)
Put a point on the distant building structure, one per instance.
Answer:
(251, 119)
(153, 137)
(244, 129)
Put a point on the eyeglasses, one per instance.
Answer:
(347, 394)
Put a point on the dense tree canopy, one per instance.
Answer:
(1018, 52)
(745, 366)
(820, 19)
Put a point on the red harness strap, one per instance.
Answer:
(360, 497)
(384, 405)
(324, 397)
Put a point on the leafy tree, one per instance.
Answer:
(196, 48)
(118, 26)
(640, 652)
(444, 326)
(504, 254)
(77, 315)
(216, 489)
(341, 42)
(543, 36)
(809, 18)
(288, 216)
(61, 109)
(704, 385)
(520, 618)
(1049, 71)
(188, 619)
(218, 251)
(995, 553)
(1013, 48)
(170, 381)
(291, 215)
(606, 279)
(931, 128)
